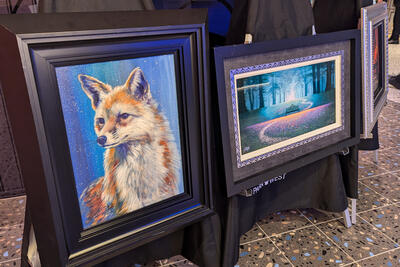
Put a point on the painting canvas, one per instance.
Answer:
(376, 59)
(280, 105)
(121, 119)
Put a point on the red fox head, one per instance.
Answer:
(124, 113)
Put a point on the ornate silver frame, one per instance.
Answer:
(371, 16)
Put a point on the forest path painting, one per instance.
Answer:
(277, 106)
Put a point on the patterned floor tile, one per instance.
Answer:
(394, 93)
(394, 105)
(183, 263)
(391, 120)
(392, 133)
(359, 241)
(317, 216)
(12, 211)
(387, 118)
(365, 155)
(11, 263)
(397, 173)
(387, 121)
(387, 185)
(171, 260)
(386, 259)
(284, 221)
(368, 169)
(254, 234)
(150, 264)
(10, 242)
(389, 160)
(261, 253)
(386, 142)
(310, 247)
(393, 151)
(389, 111)
(386, 219)
(368, 199)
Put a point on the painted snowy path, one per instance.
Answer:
(277, 130)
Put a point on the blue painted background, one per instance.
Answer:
(86, 154)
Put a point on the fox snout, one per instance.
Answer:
(102, 140)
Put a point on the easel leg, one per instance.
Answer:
(376, 156)
(353, 211)
(346, 217)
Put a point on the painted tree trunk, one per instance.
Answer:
(241, 100)
(318, 79)
(314, 80)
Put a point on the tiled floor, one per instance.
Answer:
(12, 211)
(298, 237)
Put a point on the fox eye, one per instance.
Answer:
(100, 121)
(123, 116)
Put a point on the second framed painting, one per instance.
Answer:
(375, 64)
(284, 104)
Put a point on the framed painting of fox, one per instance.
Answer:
(117, 121)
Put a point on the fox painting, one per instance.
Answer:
(141, 160)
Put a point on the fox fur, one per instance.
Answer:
(141, 161)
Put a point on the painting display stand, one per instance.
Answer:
(353, 210)
(346, 218)
(376, 157)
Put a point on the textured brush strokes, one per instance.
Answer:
(144, 89)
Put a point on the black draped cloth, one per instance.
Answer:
(270, 20)
(199, 243)
(324, 184)
(336, 15)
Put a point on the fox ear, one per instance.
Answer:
(93, 88)
(137, 85)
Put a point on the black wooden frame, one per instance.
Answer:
(46, 165)
(235, 186)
